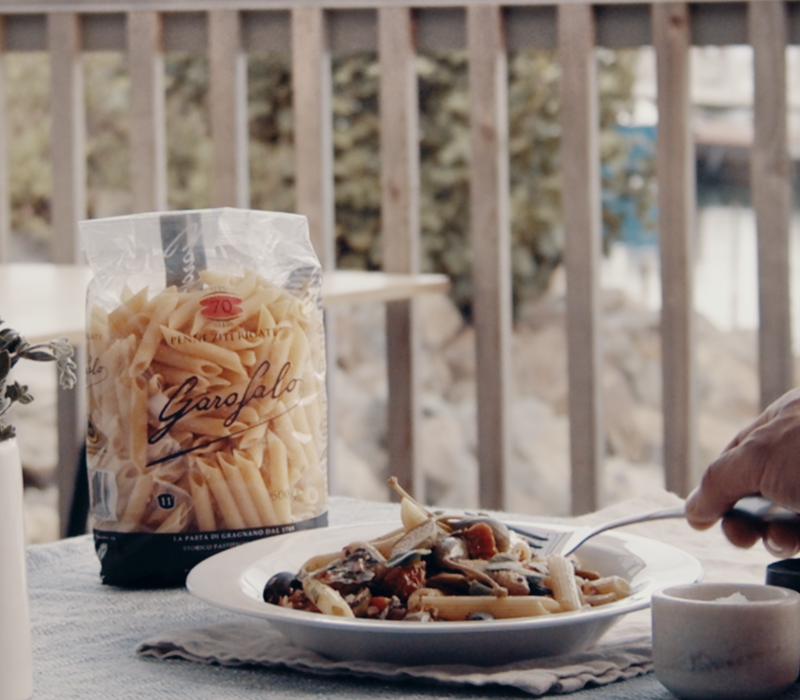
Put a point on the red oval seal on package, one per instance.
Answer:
(221, 306)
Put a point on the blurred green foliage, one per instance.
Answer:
(534, 140)
(27, 77)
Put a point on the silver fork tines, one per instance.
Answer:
(562, 542)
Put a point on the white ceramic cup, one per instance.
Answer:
(705, 646)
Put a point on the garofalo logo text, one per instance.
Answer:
(281, 389)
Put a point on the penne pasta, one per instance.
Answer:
(614, 586)
(226, 503)
(563, 584)
(328, 600)
(241, 495)
(248, 393)
(463, 607)
(201, 499)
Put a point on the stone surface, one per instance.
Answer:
(538, 479)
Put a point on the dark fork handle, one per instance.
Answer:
(758, 509)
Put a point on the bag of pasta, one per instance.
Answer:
(206, 387)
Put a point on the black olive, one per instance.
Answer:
(538, 589)
(480, 616)
(279, 585)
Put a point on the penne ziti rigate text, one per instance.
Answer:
(442, 567)
(207, 408)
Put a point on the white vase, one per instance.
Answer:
(16, 667)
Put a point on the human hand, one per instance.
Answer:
(763, 459)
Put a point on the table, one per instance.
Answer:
(85, 633)
(43, 301)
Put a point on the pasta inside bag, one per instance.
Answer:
(206, 387)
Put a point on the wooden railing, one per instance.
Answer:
(228, 29)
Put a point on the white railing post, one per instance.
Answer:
(399, 152)
(770, 182)
(5, 193)
(311, 81)
(675, 165)
(228, 110)
(147, 112)
(68, 134)
(491, 242)
(313, 153)
(581, 205)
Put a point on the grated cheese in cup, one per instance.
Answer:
(737, 597)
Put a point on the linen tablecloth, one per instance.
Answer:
(85, 634)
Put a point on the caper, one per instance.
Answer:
(479, 588)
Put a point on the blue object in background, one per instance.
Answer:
(641, 146)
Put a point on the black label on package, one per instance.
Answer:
(148, 560)
(184, 254)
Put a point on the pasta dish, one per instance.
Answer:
(442, 567)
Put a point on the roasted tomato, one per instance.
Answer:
(402, 581)
(480, 541)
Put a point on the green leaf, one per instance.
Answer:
(18, 392)
(7, 432)
(37, 356)
(9, 340)
(5, 365)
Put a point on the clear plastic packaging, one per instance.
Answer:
(206, 385)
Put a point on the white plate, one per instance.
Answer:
(234, 580)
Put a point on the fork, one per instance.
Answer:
(567, 541)
(754, 509)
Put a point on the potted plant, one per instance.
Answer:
(16, 672)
